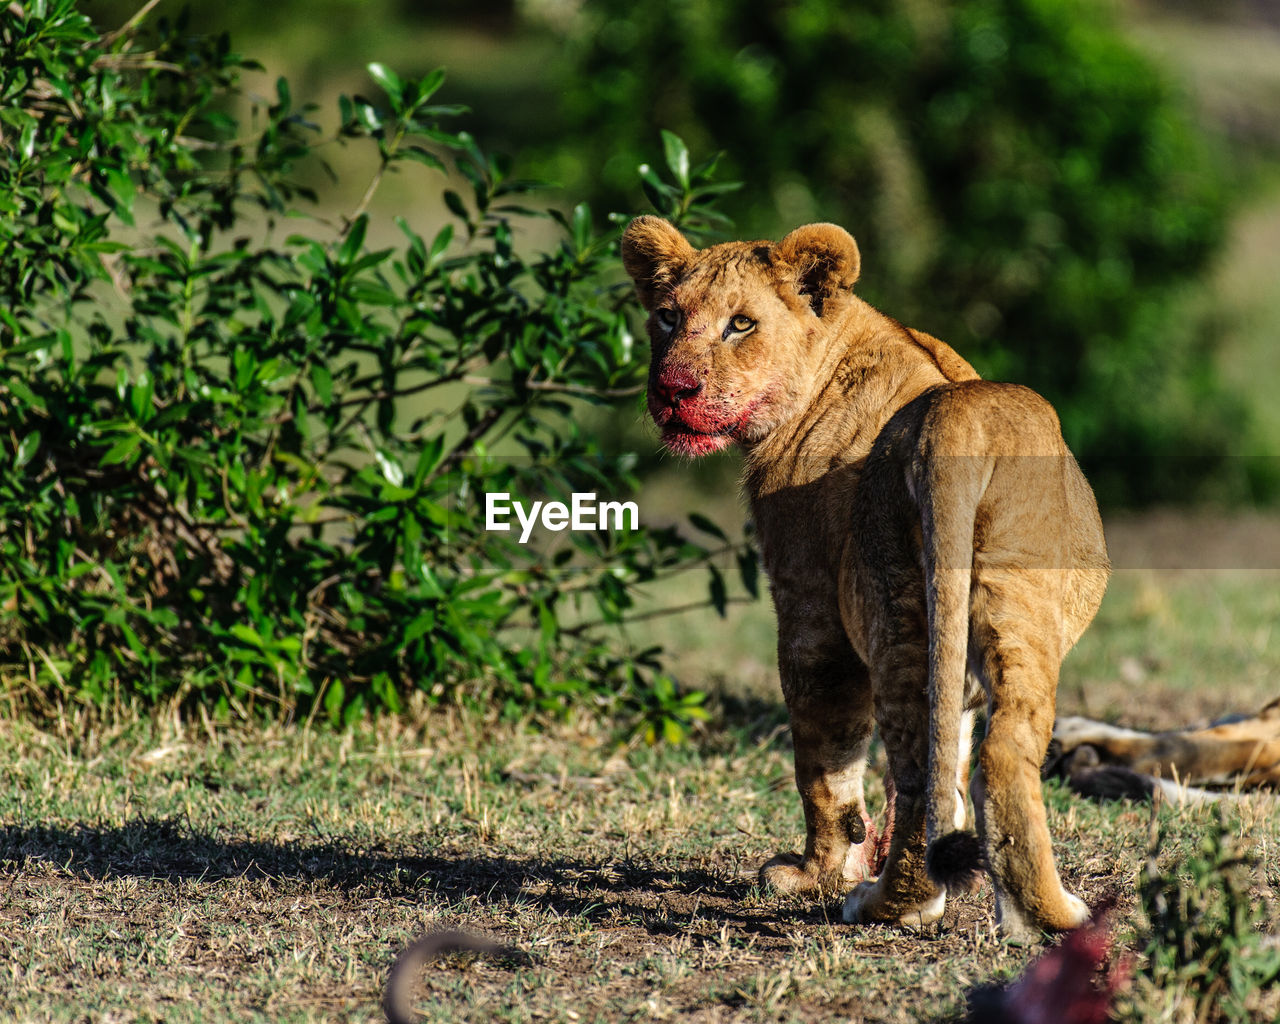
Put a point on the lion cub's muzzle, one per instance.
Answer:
(691, 420)
(670, 387)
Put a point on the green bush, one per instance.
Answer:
(245, 449)
(1022, 183)
(1204, 960)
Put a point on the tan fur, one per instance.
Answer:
(931, 545)
(1244, 752)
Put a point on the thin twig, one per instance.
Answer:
(111, 37)
(375, 182)
(122, 60)
(570, 389)
(486, 421)
(366, 400)
(657, 613)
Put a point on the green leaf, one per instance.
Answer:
(247, 634)
(122, 451)
(439, 246)
(659, 198)
(419, 627)
(390, 467)
(422, 155)
(334, 699)
(368, 117)
(140, 396)
(24, 394)
(391, 83)
(717, 592)
(123, 191)
(430, 83)
(749, 570)
(322, 381)
(428, 459)
(283, 97)
(581, 227)
(354, 242)
(704, 524)
(677, 157)
(27, 447)
(354, 710)
(27, 140)
(456, 206)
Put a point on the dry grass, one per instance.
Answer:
(157, 870)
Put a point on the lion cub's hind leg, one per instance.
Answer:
(1022, 655)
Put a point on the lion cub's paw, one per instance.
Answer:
(1073, 915)
(867, 904)
(786, 874)
(1018, 928)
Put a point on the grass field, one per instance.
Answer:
(156, 870)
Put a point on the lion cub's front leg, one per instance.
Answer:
(831, 723)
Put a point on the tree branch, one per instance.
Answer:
(657, 613)
(112, 37)
(377, 396)
(568, 389)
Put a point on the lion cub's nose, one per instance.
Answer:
(674, 386)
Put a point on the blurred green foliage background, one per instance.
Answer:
(1077, 195)
(1081, 196)
(230, 477)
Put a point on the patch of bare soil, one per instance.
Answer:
(1173, 540)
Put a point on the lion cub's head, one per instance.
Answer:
(736, 328)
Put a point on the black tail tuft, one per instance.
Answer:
(955, 860)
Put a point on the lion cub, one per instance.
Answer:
(931, 546)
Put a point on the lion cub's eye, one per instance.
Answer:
(739, 324)
(668, 317)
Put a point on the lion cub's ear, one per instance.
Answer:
(655, 255)
(825, 260)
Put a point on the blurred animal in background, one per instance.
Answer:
(1107, 762)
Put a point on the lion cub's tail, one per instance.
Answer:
(956, 485)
